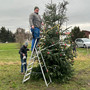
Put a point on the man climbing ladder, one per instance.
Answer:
(35, 23)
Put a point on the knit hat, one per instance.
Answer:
(26, 44)
(36, 7)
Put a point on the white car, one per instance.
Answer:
(82, 42)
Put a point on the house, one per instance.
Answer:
(65, 35)
(87, 33)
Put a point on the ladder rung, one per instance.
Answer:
(26, 79)
(38, 51)
(49, 83)
(29, 69)
(31, 63)
(28, 74)
(34, 57)
(43, 66)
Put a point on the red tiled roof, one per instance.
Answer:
(67, 33)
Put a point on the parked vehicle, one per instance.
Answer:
(82, 42)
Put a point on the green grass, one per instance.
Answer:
(11, 79)
(8, 46)
(10, 52)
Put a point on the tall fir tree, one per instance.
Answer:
(59, 57)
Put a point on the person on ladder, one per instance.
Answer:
(35, 23)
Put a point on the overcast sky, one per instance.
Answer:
(15, 13)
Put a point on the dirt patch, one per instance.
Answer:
(9, 63)
(14, 63)
(82, 57)
(51, 88)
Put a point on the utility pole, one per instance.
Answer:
(51, 1)
(66, 24)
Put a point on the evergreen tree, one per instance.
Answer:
(6, 35)
(59, 57)
(20, 36)
(3, 34)
(76, 33)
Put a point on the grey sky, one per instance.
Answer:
(15, 13)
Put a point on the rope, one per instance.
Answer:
(50, 46)
(52, 28)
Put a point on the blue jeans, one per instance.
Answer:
(36, 34)
(23, 64)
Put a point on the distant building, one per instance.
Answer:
(87, 33)
(65, 35)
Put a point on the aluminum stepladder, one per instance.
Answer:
(30, 65)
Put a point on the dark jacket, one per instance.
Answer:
(23, 50)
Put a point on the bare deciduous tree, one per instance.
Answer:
(20, 36)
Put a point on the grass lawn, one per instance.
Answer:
(11, 79)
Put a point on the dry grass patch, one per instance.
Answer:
(9, 63)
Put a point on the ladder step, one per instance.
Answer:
(28, 74)
(26, 79)
(49, 83)
(31, 63)
(38, 52)
(43, 66)
(29, 69)
(34, 57)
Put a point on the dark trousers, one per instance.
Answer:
(74, 50)
(36, 34)
(23, 65)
